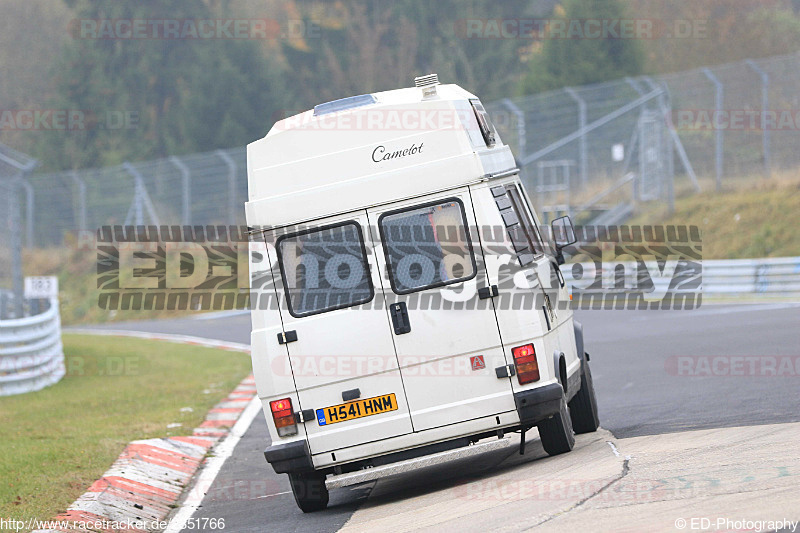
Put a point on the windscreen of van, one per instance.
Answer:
(324, 269)
(427, 246)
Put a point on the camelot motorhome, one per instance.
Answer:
(406, 299)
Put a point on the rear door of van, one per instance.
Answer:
(525, 310)
(446, 337)
(338, 334)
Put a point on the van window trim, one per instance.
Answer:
(485, 125)
(390, 270)
(534, 216)
(546, 243)
(526, 208)
(367, 270)
(525, 220)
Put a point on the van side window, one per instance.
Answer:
(519, 225)
(324, 269)
(427, 246)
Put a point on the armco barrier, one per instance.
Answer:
(731, 279)
(774, 277)
(31, 353)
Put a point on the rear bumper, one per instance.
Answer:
(289, 457)
(532, 406)
(537, 404)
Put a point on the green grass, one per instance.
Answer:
(57, 441)
(757, 221)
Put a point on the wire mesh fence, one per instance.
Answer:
(16, 198)
(198, 189)
(591, 151)
(741, 119)
(576, 146)
(594, 151)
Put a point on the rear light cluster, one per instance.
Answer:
(283, 415)
(526, 364)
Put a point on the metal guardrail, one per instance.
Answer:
(773, 277)
(31, 353)
(767, 278)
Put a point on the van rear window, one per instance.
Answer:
(324, 269)
(427, 246)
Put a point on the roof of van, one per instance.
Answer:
(368, 150)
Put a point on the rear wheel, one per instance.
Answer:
(556, 432)
(583, 406)
(309, 491)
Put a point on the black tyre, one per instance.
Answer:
(309, 491)
(583, 406)
(556, 432)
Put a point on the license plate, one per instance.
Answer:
(357, 409)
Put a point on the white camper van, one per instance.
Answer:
(406, 300)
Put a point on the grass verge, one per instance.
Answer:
(761, 220)
(59, 440)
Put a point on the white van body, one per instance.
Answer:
(390, 335)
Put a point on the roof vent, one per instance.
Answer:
(428, 85)
(345, 103)
(429, 79)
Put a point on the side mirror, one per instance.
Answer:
(563, 236)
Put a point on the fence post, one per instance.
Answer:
(582, 127)
(666, 155)
(25, 184)
(718, 98)
(635, 85)
(231, 186)
(666, 110)
(522, 140)
(764, 110)
(140, 199)
(16, 245)
(186, 176)
(81, 214)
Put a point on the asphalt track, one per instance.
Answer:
(640, 392)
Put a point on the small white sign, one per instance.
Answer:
(41, 287)
(618, 152)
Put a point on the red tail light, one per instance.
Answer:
(525, 361)
(283, 415)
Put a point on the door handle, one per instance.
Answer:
(352, 394)
(488, 292)
(287, 337)
(399, 313)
